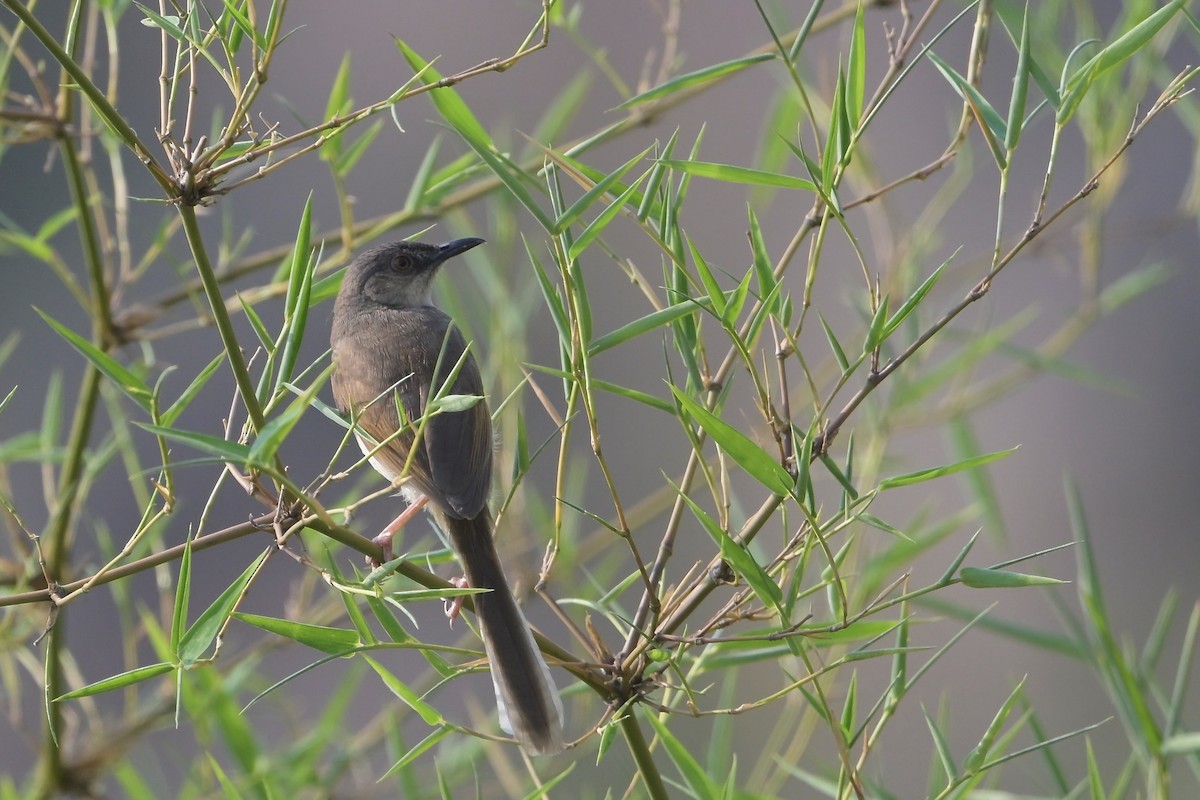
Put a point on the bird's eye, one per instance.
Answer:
(402, 263)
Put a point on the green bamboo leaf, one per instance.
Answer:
(118, 681)
(183, 594)
(326, 288)
(336, 105)
(838, 353)
(764, 586)
(295, 321)
(743, 450)
(691, 79)
(458, 115)
(512, 177)
(406, 694)
(915, 298)
(1016, 103)
(11, 393)
(856, 70)
(876, 333)
(883, 525)
(715, 295)
(937, 472)
(598, 190)
(699, 783)
(597, 226)
(421, 180)
(768, 287)
(1113, 55)
(976, 578)
(258, 326)
(129, 383)
(242, 24)
(225, 450)
(830, 157)
(650, 322)
(943, 751)
(418, 750)
(169, 416)
(347, 161)
(334, 641)
(169, 23)
(991, 124)
(56, 223)
(551, 297)
(734, 174)
(612, 388)
(447, 101)
(650, 197)
(736, 302)
(1133, 285)
(195, 643)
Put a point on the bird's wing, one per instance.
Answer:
(453, 465)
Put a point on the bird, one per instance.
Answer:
(393, 351)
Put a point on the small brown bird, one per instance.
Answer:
(393, 348)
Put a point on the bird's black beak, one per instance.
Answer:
(457, 247)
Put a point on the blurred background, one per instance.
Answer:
(1117, 423)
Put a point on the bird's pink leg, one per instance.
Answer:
(384, 539)
(453, 607)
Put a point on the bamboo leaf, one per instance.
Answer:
(225, 450)
(650, 322)
(735, 174)
(125, 380)
(937, 472)
(334, 641)
(743, 450)
(204, 631)
(977, 578)
(119, 681)
(697, 78)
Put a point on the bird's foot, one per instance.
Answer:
(384, 539)
(454, 607)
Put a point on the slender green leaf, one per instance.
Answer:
(838, 353)
(735, 174)
(125, 380)
(743, 450)
(1020, 91)
(877, 331)
(650, 322)
(334, 641)
(195, 643)
(348, 160)
(598, 190)
(856, 70)
(169, 416)
(764, 586)
(937, 472)
(447, 101)
(597, 226)
(692, 79)
(232, 452)
(701, 785)
(119, 681)
(915, 299)
(991, 124)
(1113, 55)
(337, 104)
(1001, 579)
(409, 697)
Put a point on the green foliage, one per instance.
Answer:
(765, 549)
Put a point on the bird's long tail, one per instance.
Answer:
(528, 702)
